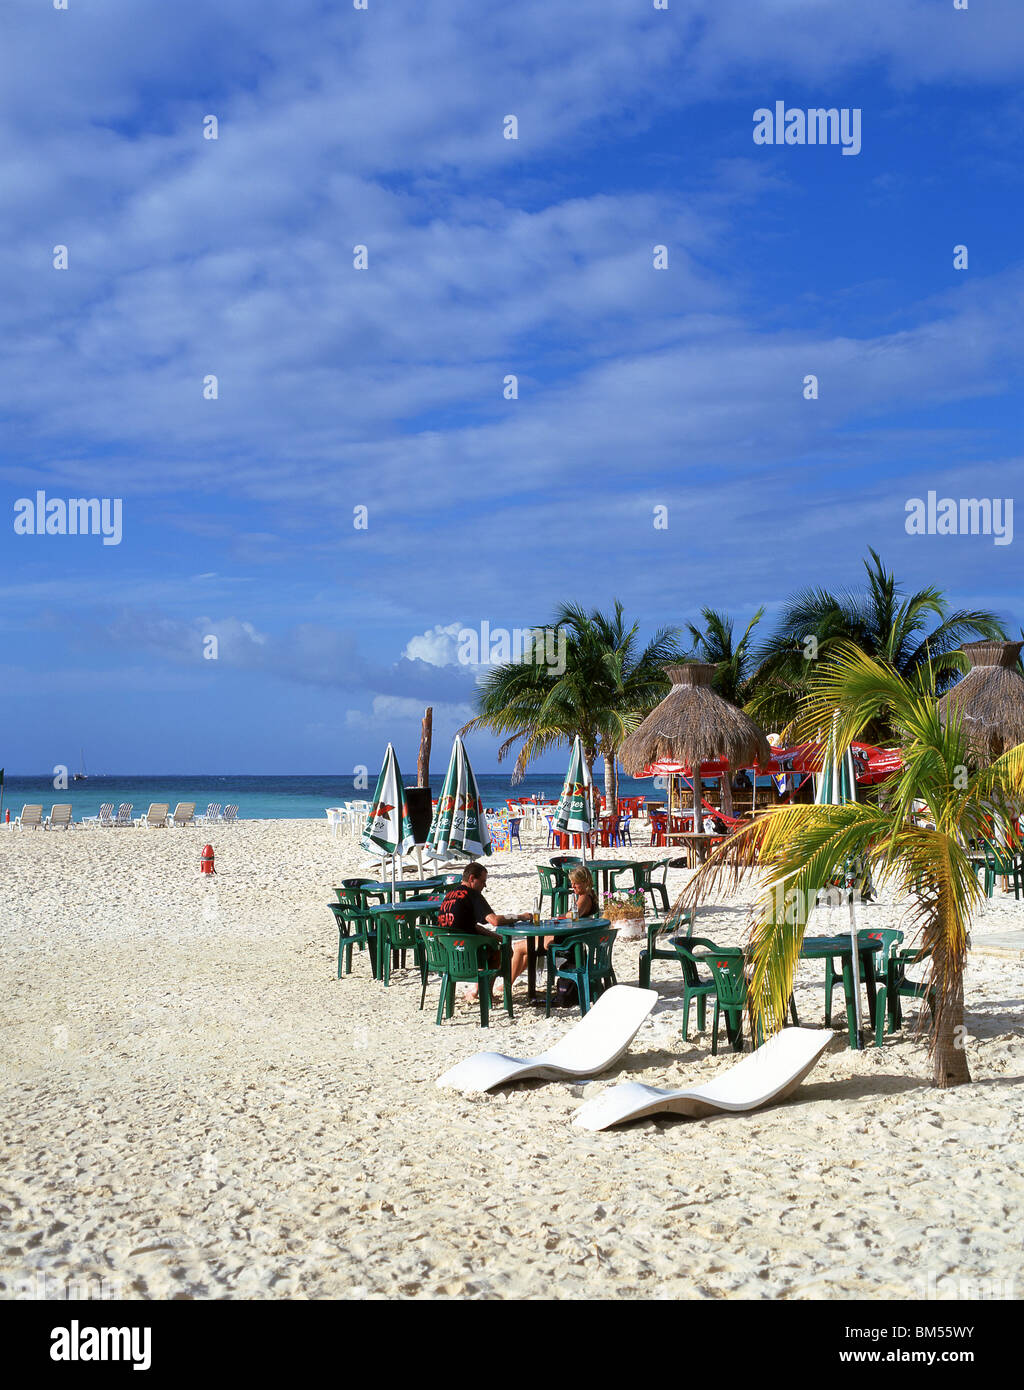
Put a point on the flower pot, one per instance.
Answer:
(628, 919)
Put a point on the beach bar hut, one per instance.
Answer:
(695, 725)
(989, 698)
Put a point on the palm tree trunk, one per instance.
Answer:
(725, 800)
(949, 1058)
(609, 784)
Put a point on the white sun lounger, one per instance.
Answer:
(598, 1040)
(773, 1072)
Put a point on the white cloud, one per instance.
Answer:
(438, 646)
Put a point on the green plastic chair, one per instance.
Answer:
(898, 987)
(351, 892)
(724, 985)
(644, 882)
(553, 887)
(727, 970)
(435, 962)
(562, 863)
(890, 938)
(1001, 863)
(694, 985)
(355, 928)
(397, 935)
(586, 958)
(462, 959)
(679, 926)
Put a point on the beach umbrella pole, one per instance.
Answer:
(854, 954)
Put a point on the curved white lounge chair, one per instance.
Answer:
(773, 1072)
(598, 1040)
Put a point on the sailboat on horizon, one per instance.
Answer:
(81, 775)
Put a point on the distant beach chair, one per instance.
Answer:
(212, 812)
(156, 816)
(230, 815)
(595, 1044)
(31, 818)
(771, 1073)
(184, 814)
(104, 817)
(124, 814)
(59, 817)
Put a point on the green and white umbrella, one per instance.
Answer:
(388, 829)
(837, 786)
(575, 813)
(459, 823)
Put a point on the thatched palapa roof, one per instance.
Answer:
(990, 697)
(694, 725)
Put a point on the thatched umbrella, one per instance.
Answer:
(990, 698)
(694, 725)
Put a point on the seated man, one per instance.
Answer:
(466, 910)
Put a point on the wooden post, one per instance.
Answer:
(423, 762)
(725, 791)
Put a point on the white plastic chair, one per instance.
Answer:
(592, 1046)
(773, 1072)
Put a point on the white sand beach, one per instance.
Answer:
(193, 1106)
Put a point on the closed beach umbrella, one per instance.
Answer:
(459, 823)
(388, 829)
(989, 698)
(694, 725)
(837, 786)
(575, 813)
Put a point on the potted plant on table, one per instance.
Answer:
(626, 907)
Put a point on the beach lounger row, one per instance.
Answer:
(157, 816)
(185, 814)
(32, 818)
(771, 1073)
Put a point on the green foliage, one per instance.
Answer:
(913, 635)
(916, 835)
(609, 683)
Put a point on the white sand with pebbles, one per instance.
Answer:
(194, 1107)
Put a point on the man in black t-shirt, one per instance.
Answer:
(465, 909)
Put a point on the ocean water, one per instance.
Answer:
(267, 798)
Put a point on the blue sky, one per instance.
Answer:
(383, 388)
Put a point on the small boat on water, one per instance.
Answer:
(81, 775)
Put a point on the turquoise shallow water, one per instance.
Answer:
(262, 798)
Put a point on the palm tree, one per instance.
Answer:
(799, 848)
(733, 660)
(609, 683)
(909, 634)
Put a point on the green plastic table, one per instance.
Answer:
(833, 947)
(402, 887)
(425, 910)
(531, 933)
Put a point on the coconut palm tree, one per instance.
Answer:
(609, 683)
(911, 634)
(799, 848)
(733, 661)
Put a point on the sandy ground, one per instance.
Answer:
(193, 1106)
